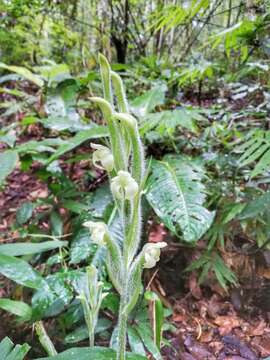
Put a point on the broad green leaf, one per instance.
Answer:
(165, 122)
(19, 249)
(56, 224)
(75, 206)
(81, 247)
(81, 333)
(6, 346)
(9, 138)
(27, 74)
(9, 352)
(61, 289)
(8, 162)
(61, 108)
(20, 271)
(145, 334)
(255, 207)
(78, 139)
(18, 308)
(55, 73)
(135, 341)
(24, 213)
(95, 353)
(147, 102)
(176, 193)
(100, 201)
(46, 145)
(61, 123)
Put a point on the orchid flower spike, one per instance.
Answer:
(102, 157)
(124, 186)
(98, 231)
(152, 254)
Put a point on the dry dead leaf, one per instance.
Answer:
(194, 286)
(226, 324)
(258, 329)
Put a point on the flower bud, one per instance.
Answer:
(127, 119)
(98, 231)
(124, 186)
(102, 156)
(152, 254)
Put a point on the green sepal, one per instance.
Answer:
(114, 263)
(138, 165)
(105, 71)
(134, 283)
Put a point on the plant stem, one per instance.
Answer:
(92, 336)
(122, 331)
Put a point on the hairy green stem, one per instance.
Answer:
(122, 327)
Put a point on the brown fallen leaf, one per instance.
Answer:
(186, 356)
(258, 329)
(197, 350)
(194, 286)
(206, 336)
(226, 324)
(216, 346)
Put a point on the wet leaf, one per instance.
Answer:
(20, 271)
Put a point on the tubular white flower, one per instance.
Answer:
(102, 156)
(98, 231)
(124, 186)
(152, 254)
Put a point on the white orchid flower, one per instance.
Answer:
(124, 186)
(152, 254)
(98, 231)
(102, 157)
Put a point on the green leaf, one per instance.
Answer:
(47, 145)
(20, 271)
(55, 73)
(157, 316)
(147, 102)
(176, 193)
(135, 341)
(56, 224)
(19, 249)
(27, 74)
(60, 290)
(95, 353)
(81, 247)
(255, 207)
(100, 201)
(165, 122)
(24, 213)
(78, 139)
(256, 149)
(9, 352)
(8, 162)
(18, 308)
(9, 138)
(75, 206)
(145, 333)
(81, 333)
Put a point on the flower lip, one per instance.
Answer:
(103, 156)
(98, 231)
(152, 254)
(124, 186)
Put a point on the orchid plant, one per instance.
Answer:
(124, 161)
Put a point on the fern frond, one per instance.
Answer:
(256, 150)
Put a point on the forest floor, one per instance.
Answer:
(208, 322)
